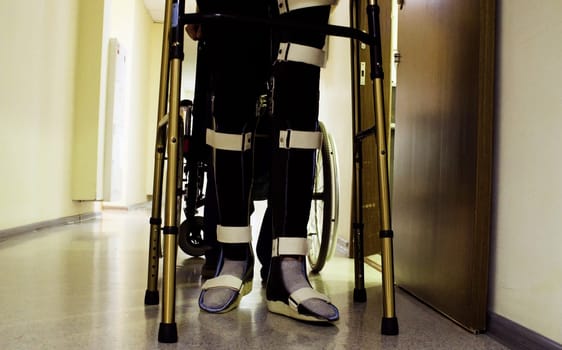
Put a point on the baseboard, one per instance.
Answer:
(115, 206)
(342, 246)
(49, 223)
(517, 337)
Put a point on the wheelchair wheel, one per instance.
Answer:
(323, 219)
(190, 238)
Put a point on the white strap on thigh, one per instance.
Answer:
(229, 142)
(290, 246)
(301, 53)
(234, 234)
(291, 5)
(300, 139)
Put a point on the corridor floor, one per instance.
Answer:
(81, 286)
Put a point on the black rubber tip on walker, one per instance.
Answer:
(168, 333)
(389, 326)
(360, 295)
(151, 297)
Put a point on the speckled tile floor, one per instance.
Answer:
(81, 286)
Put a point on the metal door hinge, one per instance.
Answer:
(397, 57)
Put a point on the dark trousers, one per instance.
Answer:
(243, 61)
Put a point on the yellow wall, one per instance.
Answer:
(526, 273)
(152, 110)
(134, 28)
(50, 89)
(89, 107)
(37, 84)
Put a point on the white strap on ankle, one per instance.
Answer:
(234, 234)
(300, 295)
(290, 246)
(229, 142)
(300, 139)
(291, 5)
(301, 53)
(223, 281)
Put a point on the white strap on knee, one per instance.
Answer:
(291, 5)
(300, 139)
(301, 53)
(229, 142)
(290, 246)
(234, 234)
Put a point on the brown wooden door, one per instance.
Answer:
(443, 155)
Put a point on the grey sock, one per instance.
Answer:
(294, 278)
(217, 297)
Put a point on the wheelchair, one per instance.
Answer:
(323, 218)
(180, 157)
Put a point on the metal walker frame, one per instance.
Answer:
(169, 137)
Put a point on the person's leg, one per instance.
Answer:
(296, 139)
(238, 69)
(210, 221)
(260, 190)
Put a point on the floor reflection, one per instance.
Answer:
(82, 286)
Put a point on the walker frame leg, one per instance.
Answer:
(389, 324)
(174, 173)
(168, 142)
(169, 137)
(152, 296)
